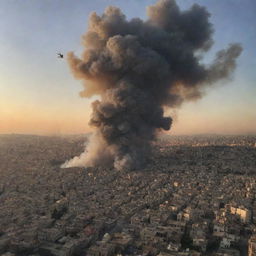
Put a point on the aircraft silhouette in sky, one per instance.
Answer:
(60, 55)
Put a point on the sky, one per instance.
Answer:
(38, 94)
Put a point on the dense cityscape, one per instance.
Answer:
(195, 197)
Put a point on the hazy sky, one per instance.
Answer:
(39, 95)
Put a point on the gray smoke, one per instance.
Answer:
(137, 68)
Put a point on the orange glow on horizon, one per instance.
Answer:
(43, 127)
(183, 124)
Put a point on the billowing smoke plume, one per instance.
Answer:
(138, 67)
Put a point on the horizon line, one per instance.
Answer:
(163, 134)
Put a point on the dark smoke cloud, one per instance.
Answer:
(139, 67)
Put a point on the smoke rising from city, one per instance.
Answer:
(137, 68)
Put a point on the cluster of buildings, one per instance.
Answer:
(195, 197)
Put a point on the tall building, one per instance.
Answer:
(252, 246)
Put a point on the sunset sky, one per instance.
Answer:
(38, 94)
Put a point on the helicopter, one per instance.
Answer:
(60, 55)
